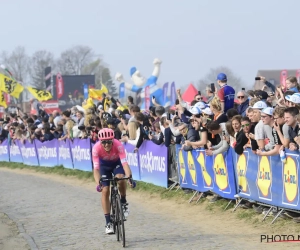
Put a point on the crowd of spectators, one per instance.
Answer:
(267, 122)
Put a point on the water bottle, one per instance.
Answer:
(282, 156)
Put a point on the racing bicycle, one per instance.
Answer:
(117, 215)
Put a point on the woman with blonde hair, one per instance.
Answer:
(134, 134)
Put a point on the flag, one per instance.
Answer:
(6, 70)
(85, 91)
(165, 93)
(283, 77)
(298, 75)
(97, 93)
(2, 100)
(10, 86)
(59, 86)
(173, 94)
(39, 94)
(147, 98)
(122, 90)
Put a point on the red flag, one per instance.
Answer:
(298, 75)
(283, 77)
(147, 98)
(7, 98)
(59, 86)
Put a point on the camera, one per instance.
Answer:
(169, 116)
(257, 78)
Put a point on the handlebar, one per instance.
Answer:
(115, 179)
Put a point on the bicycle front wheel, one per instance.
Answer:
(121, 225)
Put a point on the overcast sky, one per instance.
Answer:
(190, 37)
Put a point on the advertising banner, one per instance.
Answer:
(28, 152)
(65, 154)
(47, 153)
(81, 154)
(4, 151)
(154, 163)
(268, 179)
(14, 152)
(133, 161)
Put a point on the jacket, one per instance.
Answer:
(243, 107)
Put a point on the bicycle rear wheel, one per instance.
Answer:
(121, 225)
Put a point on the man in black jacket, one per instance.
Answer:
(188, 133)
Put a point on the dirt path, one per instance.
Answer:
(64, 213)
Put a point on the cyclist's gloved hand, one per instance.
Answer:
(99, 187)
(131, 182)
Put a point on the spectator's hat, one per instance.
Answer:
(195, 110)
(268, 111)
(221, 77)
(100, 107)
(295, 98)
(207, 111)
(259, 105)
(80, 108)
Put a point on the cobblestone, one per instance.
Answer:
(60, 216)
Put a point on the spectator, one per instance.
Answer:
(281, 128)
(243, 102)
(240, 137)
(226, 93)
(56, 117)
(216, 129)
(292, 84)
(143, 130)
(130, 100)
(80, 118)
(68, 126)
(210, 94)
(290, 117)
(189, 134)
(113, 124)
(267, 118)
(202, 130)
(231, 113)
(156, 137)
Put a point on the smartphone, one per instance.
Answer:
(212, 87)
(176, 113)
(199, 92)
(257, 78)
(169, 116)
(243, 89)
(153, 97)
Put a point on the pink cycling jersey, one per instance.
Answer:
(117, 152)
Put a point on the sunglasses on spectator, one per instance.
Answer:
(199, 99)
(263, 116)
(241, 97)
(106, 142)
(246, 125)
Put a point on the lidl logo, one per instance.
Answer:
(192, 168)
(264, 178)
(241, 173)
(206, 176)
(290, 179)
(182, 168)
(220, 172)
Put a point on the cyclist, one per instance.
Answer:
(109, 157)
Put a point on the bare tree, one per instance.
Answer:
(233, 79)
(74, 60)
(39, 61)
(17, 62)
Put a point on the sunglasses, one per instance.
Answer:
(106, 142)
(241, 97)
(245, 125)
(263, 116)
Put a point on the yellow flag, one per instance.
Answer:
(41, 95)
(10, 86)
(2, 100)
(97, 93)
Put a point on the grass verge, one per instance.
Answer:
(178, 196)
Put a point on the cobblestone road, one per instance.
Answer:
(55, 215)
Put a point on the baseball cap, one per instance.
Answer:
(268, 111)
(222, 77)
(259, 105)
(207, 111)
(295, 98)
(200, 105)
(195, 110)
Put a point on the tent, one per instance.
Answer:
(190, 93)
